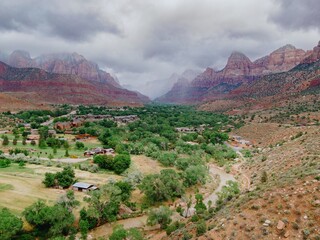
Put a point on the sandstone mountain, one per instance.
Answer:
(40, 87)
(64, 63)
(239, 70)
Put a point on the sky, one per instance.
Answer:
(146, 41)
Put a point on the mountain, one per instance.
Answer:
(63, 63)
(272, 89)
(159, 87)
(239, 70)
(40, 87)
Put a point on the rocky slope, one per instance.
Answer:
(38, 86)
(64, 63)
(239, 70)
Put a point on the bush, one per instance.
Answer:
(173, 227)
(104, 161)
(79, 145)
(121, 162)
(201, 227)
(4, 163)
(161, 215)
(64, 178)
(10, 225)
(195, 174)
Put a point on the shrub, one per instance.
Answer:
(201, 227)
(161, 215)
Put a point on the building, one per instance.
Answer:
(62, 126)
(84, 187)
(101, 151)
(125, 119)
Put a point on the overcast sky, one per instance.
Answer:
(147, 40)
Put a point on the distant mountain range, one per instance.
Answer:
(281, 73)
(61, 78)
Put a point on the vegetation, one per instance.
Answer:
(64, 179)
(10, 225)
(161, 215)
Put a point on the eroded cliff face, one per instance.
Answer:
(38, 86)
(63, 63)
(314, 55)
(238, 70)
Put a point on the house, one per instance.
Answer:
(185, 129)
(102, 151)
(34, 132)
(77, 122)
(52, 132)
(62, 126)
(33, 137)
(240, 142)
(84, 187)
(82, 136)
(125, 119)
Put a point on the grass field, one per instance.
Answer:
(45, 152)
(20, 187)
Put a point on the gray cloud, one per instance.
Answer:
(56, 19)
(297, 14)
(144, 41)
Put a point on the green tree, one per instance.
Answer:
(104, 161)
(126, 189)
(79, 145)
(65, 178)
(200, 206)
(84, 228)
(163, 186)
(121, 162)
(10, 225)
(5, 140)
(49, 221)
(49, 180)
(68, 201)
(195, 174)
(227, 193)
(67, 153)
(264, 177)
(161, 215)
(15, 141)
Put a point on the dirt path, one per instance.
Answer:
(106, 229)
(244, 179)
(50, 121)
(224, 177)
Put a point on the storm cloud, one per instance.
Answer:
(145, 41)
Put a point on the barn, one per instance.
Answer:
(83, 187)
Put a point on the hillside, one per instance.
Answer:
(63, 63)
(11, 103)
(241, 78)
(38, 86)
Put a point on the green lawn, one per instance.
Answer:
(45, 152)
(15, 168)
(5, 187)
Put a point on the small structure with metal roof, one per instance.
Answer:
(83, 187)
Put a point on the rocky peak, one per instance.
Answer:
(64, 63)
(281, 60)
(3, 67)
(20, 59)
(209, 72)
(238, 64)
(314, 55)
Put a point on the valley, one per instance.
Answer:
(229, 154)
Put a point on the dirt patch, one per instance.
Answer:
(145, 164)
